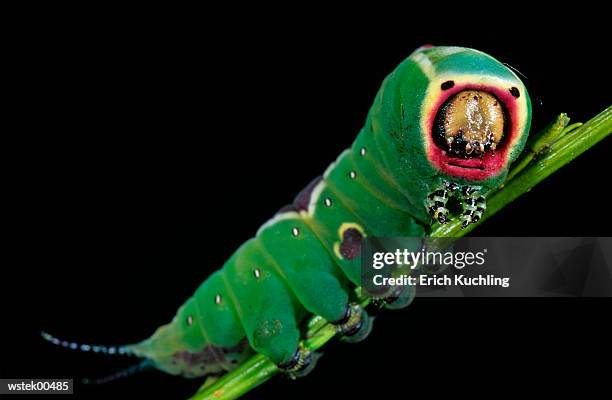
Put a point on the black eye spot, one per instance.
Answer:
(515, 92)
(447, 85)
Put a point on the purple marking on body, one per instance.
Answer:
(211, 359)
(285, 209)
(351, 243)
(208, 355)
(301, 201)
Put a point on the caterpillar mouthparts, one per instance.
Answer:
(470, 123)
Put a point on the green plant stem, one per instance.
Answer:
(539, 143)
(554, 147)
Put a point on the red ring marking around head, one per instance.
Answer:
(491, 163)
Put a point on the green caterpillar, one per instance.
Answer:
(448, 121)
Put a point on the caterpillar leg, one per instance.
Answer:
(356, 324)
(302, 362)
(401, 298)
(474, 205)
(397, 298)
(436, 202)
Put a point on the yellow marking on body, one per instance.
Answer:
(343, 228)
(315, 195)
(278, 218)
(348, 225)
(337, 250)
(424, 63)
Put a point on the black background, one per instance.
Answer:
(148, 148)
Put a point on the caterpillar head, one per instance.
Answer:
(449, 114)
(475, 115)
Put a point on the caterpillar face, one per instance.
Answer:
(475, 113)
(472, 131)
